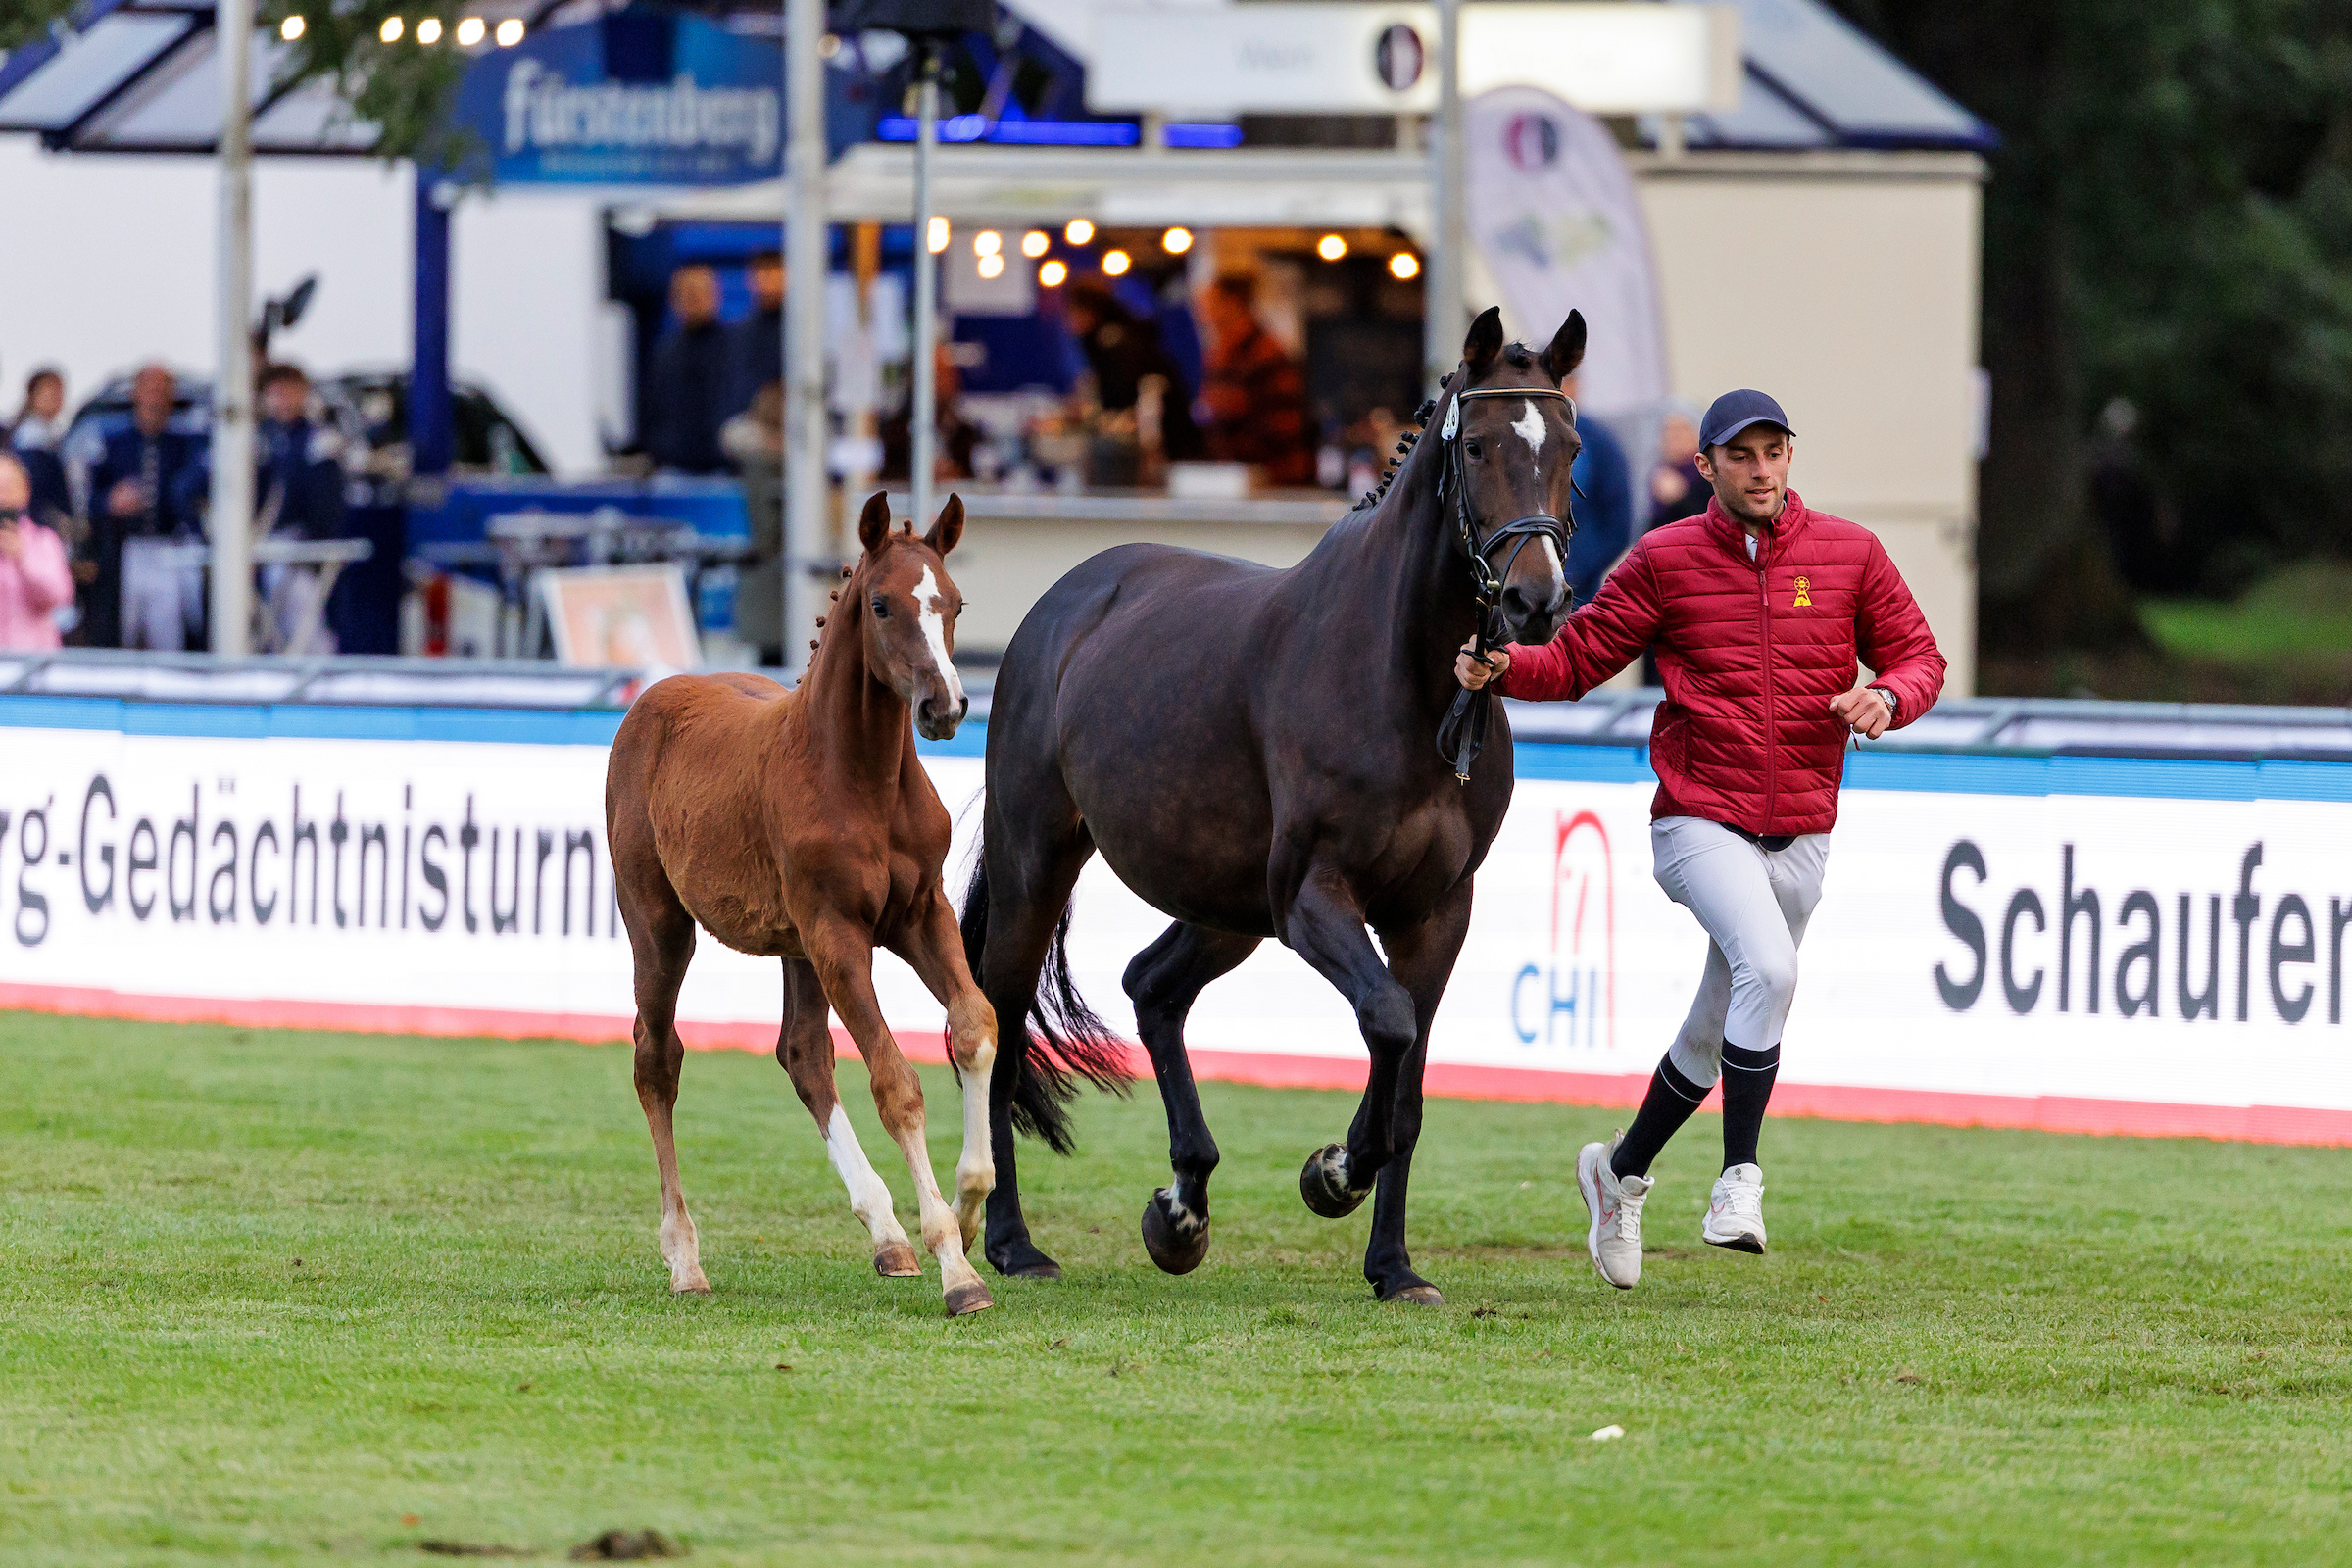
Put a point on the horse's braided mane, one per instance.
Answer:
(1405, 449)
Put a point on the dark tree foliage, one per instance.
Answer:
(24, 21)
(2169, 222)
(403, 86)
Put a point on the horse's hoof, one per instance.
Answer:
(896, 1261)
(1323, 1184)
(964, 1300)
(1023, 1262)
(1415, 1295)
(693, 1285)
(1176, 1247)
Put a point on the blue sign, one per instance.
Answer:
(632, 98)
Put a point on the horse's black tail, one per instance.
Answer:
(1059, 1040)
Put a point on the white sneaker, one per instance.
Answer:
(1615, 1205)
(1736, 1211)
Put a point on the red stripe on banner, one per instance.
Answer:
(2261, 1124)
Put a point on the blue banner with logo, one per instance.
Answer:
(634, 98)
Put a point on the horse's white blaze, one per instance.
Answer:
(869, 1199)
(1531, 428)
(935, 632)
(1552, 553)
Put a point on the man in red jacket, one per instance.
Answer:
(1760, 611)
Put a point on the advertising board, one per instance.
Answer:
(2151, 947)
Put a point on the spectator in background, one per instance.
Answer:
(144, 485)
(755, 443)
(1676, 489)
(1605, 504)
(34, 581)
(36, 437)
(685, 395)
(958, 437)
(1255, 402)
(1122, 348)
(755, 355)
(300, 483)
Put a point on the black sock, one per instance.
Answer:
(1747, 1077)
(1671, 1099)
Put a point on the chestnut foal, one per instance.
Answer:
(801, 823)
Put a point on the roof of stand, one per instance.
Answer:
(141, 76)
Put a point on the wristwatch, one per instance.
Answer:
(1888, 698)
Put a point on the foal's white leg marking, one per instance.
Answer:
(681, 1248)
(1530, 427)
(976, 1170)
(942, 1232)
(869, 1199)
(935, 632)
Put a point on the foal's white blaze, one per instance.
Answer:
(935, 632)
(869, 1199)
(1531, 428)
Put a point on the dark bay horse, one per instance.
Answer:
(801, 824)
(1253, 751)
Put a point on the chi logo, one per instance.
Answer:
(1804, 594)
(1571, 998)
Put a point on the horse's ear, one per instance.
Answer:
(1484, 342)
(873, 524)
(1567, 350)
(950, 527)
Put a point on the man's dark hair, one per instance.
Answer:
(47, 372)
(773, 258)
(1238, 287)
(282, 372)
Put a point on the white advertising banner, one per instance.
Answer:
(2108, 962)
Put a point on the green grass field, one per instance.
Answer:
(291, 1296)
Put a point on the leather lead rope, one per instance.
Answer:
(1462, 733)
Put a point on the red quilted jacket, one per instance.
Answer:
(1750, 653)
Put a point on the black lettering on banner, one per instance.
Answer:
(374, 834)
(2025, 900)
(2207, 1001)
(223, 914)
(2339, 915)
(30, 903)
(184, 826)
(1958, 919)
(546, 851)
(136, 861)
(510, 919)
(253, 873)
(97, 902)
(298, 834)
(2243, 909)
(2282, 954)
(467, 837)
(338, 834)
(2069, 904)
(434, 877)
(585, 841)
(407, 802)
(2130, 1003)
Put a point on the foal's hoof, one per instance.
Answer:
(1324, 1184)
(1415, 1295)
(896, 1261)
(1176, 1244)
(964, 1300)
(1022, 1260)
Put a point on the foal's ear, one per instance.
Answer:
(1484, 342)
(949, 528)
(873, 524)
(1567, 350)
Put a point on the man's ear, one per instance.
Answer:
(949, 528)
(874, 523)
(1484, 342)
(1567, 350)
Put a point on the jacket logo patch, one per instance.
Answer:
(1804, 595)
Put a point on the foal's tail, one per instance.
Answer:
(1059, 1041)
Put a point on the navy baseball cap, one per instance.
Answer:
(1735, 411)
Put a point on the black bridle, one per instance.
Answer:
(1463, 732)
